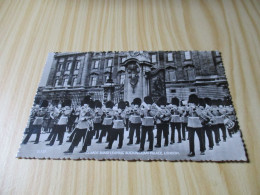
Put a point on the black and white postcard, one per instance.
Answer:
(134, 105)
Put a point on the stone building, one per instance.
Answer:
(126, 75)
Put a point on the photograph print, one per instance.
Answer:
(134, 105)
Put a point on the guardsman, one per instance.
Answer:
(163, 117)
(135, 121)
(215, 119)
(127, 114)
(194, 125)
(207, 126)
(175, 120)
(205, 119)
(84, 123)
(36, 127)
(107, 123)
(148, 112)
(184, 119)
(222, 113)
(98, 118)
(118, 126)
(90, 131)
(60, 127)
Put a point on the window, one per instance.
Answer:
(193, 90)
(170, 57)
(187, 55)
(93, 81)
(96, 64)
(109, 63)
(123, 59)
(106, 78)
(122, 79)
(69, 64)
(59, 67)
(74, 81)
(191, 74)
(77, 65)
(171, 75)
(173, 90)
(154, 58)
(65, 83)
(57, 83)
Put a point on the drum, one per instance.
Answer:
(83, 124)
(148, 121)
(107, 121)
(176, 119)
(194, 122)
(229, 124)
(219, 119)
(135, 119)
(63, 120)
(97, 119)
(38, 121)
(118, 124)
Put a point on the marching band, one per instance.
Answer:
(94, 120)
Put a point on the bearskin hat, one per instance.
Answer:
(127, 103)
(193, 99)
(66, 102)
(214, 102)
(148, 100)
(85, 100)
(121, 105)
(207, 101)
(44, 104)
(137, 101)
(109, 104)
(175, 101)
(202, 102)
(98, 104)
(219, 102)
(162, 101)
(91, 104)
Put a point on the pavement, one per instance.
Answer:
(231, 150)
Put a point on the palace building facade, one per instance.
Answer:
(126, 75)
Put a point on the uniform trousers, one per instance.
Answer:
(162, 128)
(113, 136)
(191, 139)
(97, 128)
(134, 128)
(178, 127)
(127, 123)
(79, 134)
(149, 130)
(34, 129)
(184, 128)
(106, 131)
(58, 130)
(215, 129)
(224, 131)
(207, 130)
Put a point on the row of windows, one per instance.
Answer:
(68, 66)
(153, 59)
(65, 82)
(187, 56)
(93, 79)
(192, 90)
